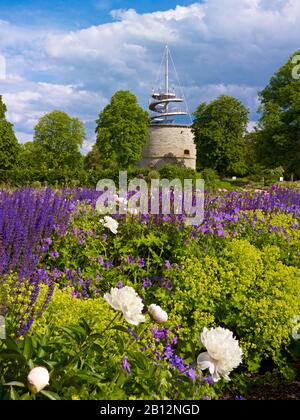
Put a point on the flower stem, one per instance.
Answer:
(111, 323)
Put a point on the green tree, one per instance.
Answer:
(93, 159)
(122, 131)
(9, 146)
(219, 129)
(279, 125)
(57, 138)
(30, 156)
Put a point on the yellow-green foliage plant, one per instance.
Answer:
(244, 289)
(64, 309)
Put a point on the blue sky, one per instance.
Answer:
(73, 55)
(75, 13)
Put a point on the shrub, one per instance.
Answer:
(170, 172)
(36, 184)
(64, 309)
(153, 174)
(210, 176)
(243, 289)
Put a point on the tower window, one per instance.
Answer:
(187, 152)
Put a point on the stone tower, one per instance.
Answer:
(169, 141)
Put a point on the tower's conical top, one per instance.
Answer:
(163, 104)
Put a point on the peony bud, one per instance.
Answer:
(38, 379)
(158, 314)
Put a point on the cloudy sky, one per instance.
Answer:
(73, 55)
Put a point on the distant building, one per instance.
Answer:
(169, 141)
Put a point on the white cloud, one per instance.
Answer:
(219, 46)
(28, 101)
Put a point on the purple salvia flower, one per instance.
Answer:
(133, 333)
(125, 365)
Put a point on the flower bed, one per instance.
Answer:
(145, 306)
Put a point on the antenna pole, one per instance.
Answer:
(167, 80)
(167, 71)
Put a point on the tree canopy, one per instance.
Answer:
(219, 129)
(279, 128)
(9, 146)
(57, 138)
(122, 131)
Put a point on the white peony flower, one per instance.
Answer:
(158, 314)
(127, 301)
(223, 353)
(111, 224)
(38, 378)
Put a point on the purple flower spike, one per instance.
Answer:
(125, 365)
(134, 334)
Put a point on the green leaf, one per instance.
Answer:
(13, 356)
(12, 345)
(31, 364)
(26, 396)
(15, 383)
(141, 360)
(85, 326)
(28, 347)
(51, 395)
(120, 328)
(13, 394)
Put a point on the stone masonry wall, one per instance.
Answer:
(169, 144)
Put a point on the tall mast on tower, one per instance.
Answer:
(167, 71)
(162, 105)
(167, 79)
